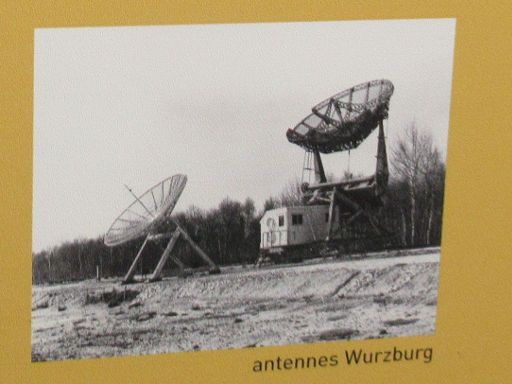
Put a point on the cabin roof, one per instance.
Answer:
(292, 209)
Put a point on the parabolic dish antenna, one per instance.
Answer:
(147, 211)
(345, 120)
(144, 218)
(341, 123)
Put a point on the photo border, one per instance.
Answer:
(473, 315)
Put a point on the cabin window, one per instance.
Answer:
(281, 221)
(296, 219)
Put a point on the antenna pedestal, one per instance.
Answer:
(352, 199)
(167, 254)
(158, 270)
(128, 278)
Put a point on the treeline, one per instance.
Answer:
(230, 233)
(416, 193)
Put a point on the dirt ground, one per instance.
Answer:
(386, 294)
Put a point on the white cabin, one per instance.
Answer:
(288, 226)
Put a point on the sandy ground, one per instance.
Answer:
(386, 295)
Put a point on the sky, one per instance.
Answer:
(134, 105)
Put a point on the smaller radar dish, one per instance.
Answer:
(344, 120)
(147, 211)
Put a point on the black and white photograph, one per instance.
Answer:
(213, 187)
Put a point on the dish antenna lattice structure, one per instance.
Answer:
(341, 123)
(344, 120)
(145, 217)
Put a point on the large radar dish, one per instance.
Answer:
(345, 120)
(147, 211)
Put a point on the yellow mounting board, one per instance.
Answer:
(474, 318)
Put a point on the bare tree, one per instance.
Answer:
(270, 203)
(249, 210)
(291, 195)
(413, 158)
(432, 169)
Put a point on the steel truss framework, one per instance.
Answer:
(354, 199)
(166, 255)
